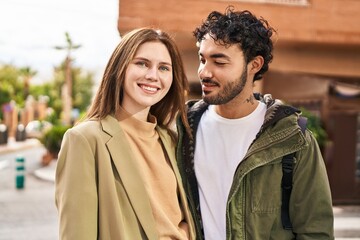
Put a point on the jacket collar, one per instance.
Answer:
(276, 109)
(167, 143)
(130, 175)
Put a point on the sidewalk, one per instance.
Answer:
(30, 213)
(347, 222)
(13, 146)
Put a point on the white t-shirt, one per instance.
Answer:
(221, 144)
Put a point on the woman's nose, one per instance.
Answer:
(152, 74)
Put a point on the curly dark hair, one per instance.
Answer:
(240, 27)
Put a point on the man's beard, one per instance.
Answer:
(229, 91)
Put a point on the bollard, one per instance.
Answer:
(20, 133)
(20, 172)
(3, 134)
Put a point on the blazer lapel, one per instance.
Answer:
(166, 140)
(129, 172)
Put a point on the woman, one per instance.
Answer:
(116, 176)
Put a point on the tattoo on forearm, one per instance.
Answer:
(250, 99)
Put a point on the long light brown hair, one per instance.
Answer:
(109, 96)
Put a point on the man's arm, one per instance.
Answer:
(311, 210)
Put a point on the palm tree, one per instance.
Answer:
(67, 89)
(27, 73)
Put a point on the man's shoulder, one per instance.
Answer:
(195, 103)
(277, 110)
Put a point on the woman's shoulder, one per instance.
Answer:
(97, 127)
(87, 125)
(86, 128)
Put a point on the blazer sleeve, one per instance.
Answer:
(311, 210)
(76, 188)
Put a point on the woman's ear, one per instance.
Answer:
(256, 64)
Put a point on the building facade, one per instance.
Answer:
(316, 64)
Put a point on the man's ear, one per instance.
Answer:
(256, 64)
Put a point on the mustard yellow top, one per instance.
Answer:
(158, 176)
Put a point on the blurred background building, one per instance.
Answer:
(316, 65)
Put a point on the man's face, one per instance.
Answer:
(222, 71)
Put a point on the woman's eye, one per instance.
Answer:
(164, 68)
(141, 64)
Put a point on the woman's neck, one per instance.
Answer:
(141, 115)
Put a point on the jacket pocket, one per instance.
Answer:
(265, 188)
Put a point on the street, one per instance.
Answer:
(29, 213)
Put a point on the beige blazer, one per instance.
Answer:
(98, 191)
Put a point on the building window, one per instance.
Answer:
(284, 2)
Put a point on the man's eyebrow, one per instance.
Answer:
(217, 55)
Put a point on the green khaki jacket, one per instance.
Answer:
(254, 202)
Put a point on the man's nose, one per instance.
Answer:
(204, 71)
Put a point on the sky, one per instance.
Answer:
(30, 29)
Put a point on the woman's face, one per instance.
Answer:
(148, 77)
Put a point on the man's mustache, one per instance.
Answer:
(209, 81)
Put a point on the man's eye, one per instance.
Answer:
(220, 63)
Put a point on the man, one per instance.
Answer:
(232, 164)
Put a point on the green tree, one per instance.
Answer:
(48, 89)
(315, 125)
(82, 93)
(12, 86)
(27, 74)
(82, 89)
(82, 84)
(67, 79)
(68, 85)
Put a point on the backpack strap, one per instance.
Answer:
(286, 186)
(286, 182)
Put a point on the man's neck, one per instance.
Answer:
(238, 107)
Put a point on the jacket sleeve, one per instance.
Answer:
(311, 210)
(75, 188)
